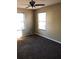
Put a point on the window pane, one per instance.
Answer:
(20, 22)
(42, 25)
(42, 21)
(42, 16)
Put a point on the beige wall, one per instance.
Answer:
(28, 21)
(53, 22)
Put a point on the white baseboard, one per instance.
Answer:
(27, 35)
(48, 38)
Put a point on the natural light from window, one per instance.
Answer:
(42, 21)
(20, 24)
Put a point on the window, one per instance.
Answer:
(42, 21)
(20, 24)
(20, 21)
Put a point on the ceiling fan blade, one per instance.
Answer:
(39, 4)
(28, 6)
(22, 4)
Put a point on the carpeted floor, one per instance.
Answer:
(37, 47)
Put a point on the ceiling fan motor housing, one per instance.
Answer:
(32, 3)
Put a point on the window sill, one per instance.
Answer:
(42, 29)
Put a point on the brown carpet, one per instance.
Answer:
(37, 47)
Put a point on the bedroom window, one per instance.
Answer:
(42, 21)
(20, 24)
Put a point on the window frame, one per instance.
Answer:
(45, 21)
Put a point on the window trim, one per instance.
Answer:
(45, 22)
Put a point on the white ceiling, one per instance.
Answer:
(23, 3)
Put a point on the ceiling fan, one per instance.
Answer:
(32, 4)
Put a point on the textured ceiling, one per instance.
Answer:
(24, 3)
